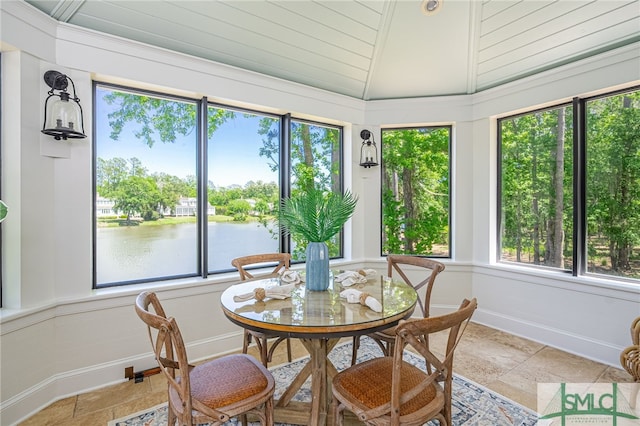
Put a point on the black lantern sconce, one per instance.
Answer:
(368, 150)
(62, 113)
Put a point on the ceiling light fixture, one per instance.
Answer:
(431, 7)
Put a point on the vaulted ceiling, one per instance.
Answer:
(370, 49)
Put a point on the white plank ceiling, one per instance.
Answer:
(370, 49)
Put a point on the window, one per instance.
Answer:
(145, 184)
(546, 165)
(1, 255)
(315, 162)
(243, 185)
(183, 186)
(536, 153)
(416, 191)
(613, 185)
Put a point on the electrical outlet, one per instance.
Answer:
(128, 373)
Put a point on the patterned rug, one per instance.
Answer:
(472, 405)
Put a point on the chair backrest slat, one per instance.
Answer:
(415, 333)
(396, 262)
(169, 350)
(282, 260)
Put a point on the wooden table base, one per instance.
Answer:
(322, 372)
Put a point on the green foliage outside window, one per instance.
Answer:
(163, 131)
(537, 191)
(537, 179)
(415, 191)
(613, 185)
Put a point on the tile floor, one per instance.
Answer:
(505, 363)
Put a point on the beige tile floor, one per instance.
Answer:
(507, 364)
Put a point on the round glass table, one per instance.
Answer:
(319, 319)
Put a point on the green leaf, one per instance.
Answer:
(315, 215)
(3, 210)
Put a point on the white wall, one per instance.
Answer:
(59, 337)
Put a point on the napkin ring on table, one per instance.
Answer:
(363, 298)
(260, 294)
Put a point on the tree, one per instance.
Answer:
(555, 226)
(315, 164)
(269, 192)
(262, 208)
(109, 174)
(613, 173)
(315, 150)
(239, 209)
(166, 118)
(171, 189)
(136, 195)
(125, 182)
(415, 195)
(536, 192)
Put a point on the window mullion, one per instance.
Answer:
(285, 173)
(579, 187)
(203, 210)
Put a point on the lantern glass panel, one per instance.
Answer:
(63, 115)
(368, 155)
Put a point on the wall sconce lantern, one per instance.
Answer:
(368, 150)
(63, 113)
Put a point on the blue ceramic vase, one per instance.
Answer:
(317, 267)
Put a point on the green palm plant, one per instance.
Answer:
(315, 215)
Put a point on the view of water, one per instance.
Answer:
(136, 252)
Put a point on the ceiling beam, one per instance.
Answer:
(381, 37)
(65, 9)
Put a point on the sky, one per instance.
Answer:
(233, 150)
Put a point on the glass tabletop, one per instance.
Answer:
(307, 313)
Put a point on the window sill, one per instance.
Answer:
(561, 279)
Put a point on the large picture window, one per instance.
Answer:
(536, 154)
(183, 186)
(145, 188)
(243, 185)
(416, 191)
(315, 162)
(570, 187)
(613, 185)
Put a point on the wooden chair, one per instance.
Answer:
(395, 263)
(211, 392)
(242, 263)
(390, 391)
(630, 360)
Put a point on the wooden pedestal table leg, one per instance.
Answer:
(318, 350)
(321, 371)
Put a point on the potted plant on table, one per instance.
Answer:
(316, 216)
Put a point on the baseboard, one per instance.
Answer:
(18, 408)
(579, 345)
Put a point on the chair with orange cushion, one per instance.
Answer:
(212, 392)
(242, 264)
(397, 267)
(391, 391)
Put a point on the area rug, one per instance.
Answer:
(472, 404)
